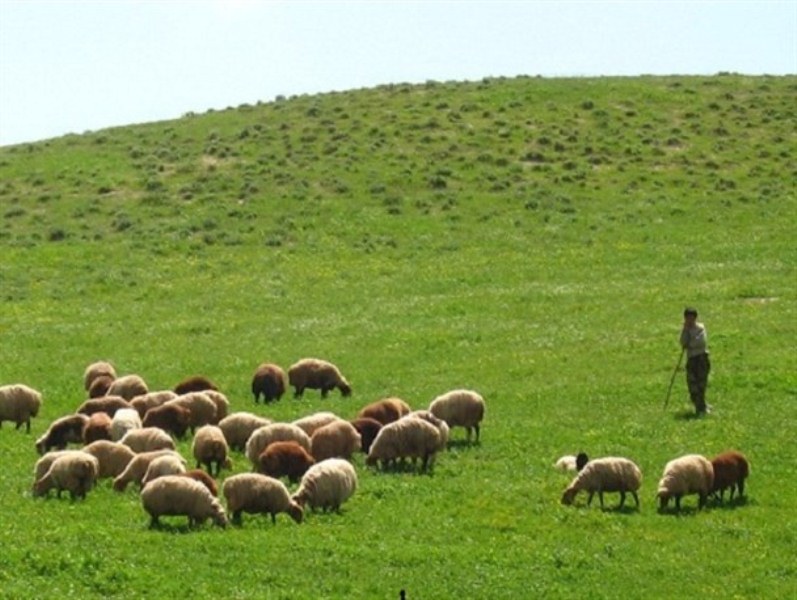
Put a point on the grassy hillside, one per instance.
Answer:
(534, 239)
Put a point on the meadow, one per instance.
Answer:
(533, 239)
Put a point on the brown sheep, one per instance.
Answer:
(367, 428)
(128, 387)
(149, 400)
(211, 447)
(202, 477)
(106, 404)
(61, 432)
(317, 374)
(730, 470)
(97, 427)
(270, 381)
(196, 383)
(385, 411)
(285, 459)
(172, 418)
(97, 369)
(100, 386)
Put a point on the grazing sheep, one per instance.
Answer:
(572, 463)
(18, 403)
(43, 464)
(338, 439)
(610, 474)
(327, 484)
(137, 468)
(254, 493)
(113, 457)
(75, 472)
(98, 427)
(238, 426)
(172, 418)
(386, 410)
(203, 478)
(406, 438)
(147, 439)
(690, 474)
(176, 495)
(124, 420)
(316, 374)
(221, 402)
(168, 464)
(441, 425)
(97, 369)
(128, 387)
(63, 431)
(210, 447)
(730, 470)
(196, 383)
(285, 459)
(100, 386)
(270, 381)
(367, 428)
(201, 407)
(460, 408)
(150, 400)
(315, 421)
(275, 432)
(107, 404)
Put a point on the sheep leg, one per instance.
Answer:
(600, 497)
(298, 393)
(273, 518)
(702, 499)
(678, 502)
(589, 500)
(622, 499)
(636, 498)
(236, 517)
(467, 432)
(324, 392)
(154, 522)
(740, 485)
(476, 427)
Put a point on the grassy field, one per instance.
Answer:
(533, 239)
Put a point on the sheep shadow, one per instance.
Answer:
(688, 415)
(462, 444)
(173, 529)
(404, 468)
(684, 511)
(736, 502)
(616, 509)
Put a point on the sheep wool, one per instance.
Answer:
(730, 470)
(327, 484)
(221, 402)
(368, 428)
(168, 464)
(124, 420)
(63, 431)
(315, 421)
(19, 403)
(144, 402)
(210, 447)
(285, 459)
(238, 426)
(196, 383)
(137, 468)
(386, 410)
(406, 438)
(106, 404)
(202, 409)
(128, 387)
(275, 432)
(176, 495)
(74, 472)
(317, 374)
(610, 474)
(100, 386)
(253, 493)
(147, 439)
(98, 427)
(269, 381)
(203, 478)
(690, 474)
(172, 418)
(112, 457)
(43, 464)
(97, 369)
(338, 439)
(460, 408)
(571, 462)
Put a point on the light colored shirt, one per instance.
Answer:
(694, 340)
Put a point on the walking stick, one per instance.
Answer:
(672, 379)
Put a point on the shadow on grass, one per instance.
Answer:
(620, 510)
(688, 415)
(737, 502)
(176, 529)
(405, 467)
(684, 511)
(458, 444)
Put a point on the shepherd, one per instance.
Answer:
(694, 342)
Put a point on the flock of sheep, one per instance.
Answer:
(128, 432)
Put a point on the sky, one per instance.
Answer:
(71, 67)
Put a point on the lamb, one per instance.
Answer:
(150, 400)
(137, 468)
(337, 439)
(179, 495)
(147, 439)
(327, 484)
(386, 410)
(19, 403)
(315, 421)
(168, 464)
(285, 459)
(172, 418)
(201, 407)
(210, 447)
(63, 431)
(730, 470)
(124, 420)
(367, 428)
(221, 402)
(571, 462)
(317, 374)
(610, 474)
(113, 457)
(269, 381)
(460, 408)
(95, 370)
(106, 404)
(100, 386)
(275, 432)
(254, 493)
(196, 383)
(690, 474)
(238, 426)
(128, 387)
(406, 438)
(75, 472)
(203, 478)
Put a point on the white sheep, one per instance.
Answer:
(441, 425)
(460, 408)
(95, 370)
(315, 421)
(610, 474)
(327, 484)
(200, 405)
(137, 468)
(75, 472)
(124, 421)
(406, 438)
(690, 474)
(317, 374)
(168, 464)
(175, 495)
(571, 462)
(113, 457)
(253, 493)
(238, 426)
(209, 447)
(338, 439)
(147, 439)
(18, 403)
(45, 462)
(274, 432)
(128, 387)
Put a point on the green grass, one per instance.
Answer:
(534, 239)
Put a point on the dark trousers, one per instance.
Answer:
(697, 369)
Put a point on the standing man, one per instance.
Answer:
(694, 340)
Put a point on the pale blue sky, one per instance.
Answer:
(69, 67)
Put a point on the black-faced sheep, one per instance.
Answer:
(209, 448)
(124, 420)
(106, 404)
(730, 470)
(253, 493)
(147, 439)
(367, 428)
(610, 474)
(19, 403)
(338, 439)
(137, 468)
(128, 387)
(95, 370)
(203, 478)
(63, 431)
(98, 427)
(285, 459)
(238, 426)
(316, 374)
(75, 472)
(176, 495)
(150, 400)
(168, 464)
(269, 381)
(100, 386)
(201, 407)
(172, 418)
(315, 421)
(571, 462)
(690, 474)
(406, 438)
(112, 457)
(386, 410)
(275, 432)
(196, 383)
(327, 484)
(460, 408)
